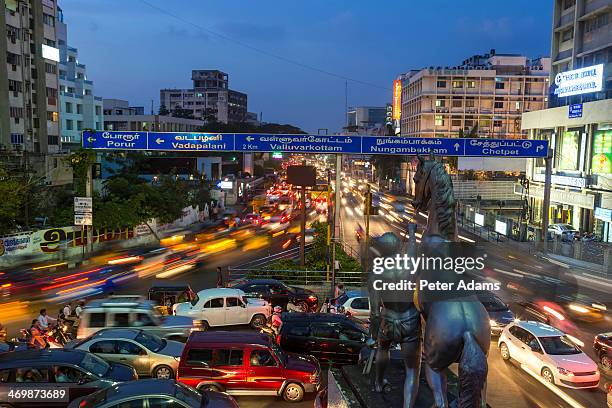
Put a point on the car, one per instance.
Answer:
(602, 345)
(154, 393)
(253, 218)
(150, 355)
(548, 352)
(331, 338)
(277, 293)
(225, 307)
(500, 314)
(355, 304)
(266, 212)
(246, 363)
(166, 295)
(72, 373)
(132, 311)
(565, 231)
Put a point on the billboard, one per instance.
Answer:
(579, 81)
(397, 99)
(601, 163)
(568, 154)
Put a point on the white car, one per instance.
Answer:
(547, 351)
(355, 304)
(225, 307)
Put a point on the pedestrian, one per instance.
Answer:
(44, 320)
(2, 333)
(219, 277)
(339, 291)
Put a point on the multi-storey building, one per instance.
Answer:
(366, 116)
(79, 108)
(29, 106)
(118, 115)
(488, 92)
(210, 99)
(578, 123)
(582, 37)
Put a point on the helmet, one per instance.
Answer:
(278, 309)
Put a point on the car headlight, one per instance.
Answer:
(564, 371)
(493, 323)
(177, 358)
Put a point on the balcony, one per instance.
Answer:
(566, 19)
(563, 55)
(595, 5)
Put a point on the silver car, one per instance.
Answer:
(150, 355)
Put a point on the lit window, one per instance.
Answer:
(439, 120)
(457, 84)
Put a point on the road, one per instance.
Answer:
(508, 384)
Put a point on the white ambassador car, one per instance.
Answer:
(225, 307)
(548, 352)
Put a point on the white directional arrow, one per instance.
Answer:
(159, 140)
(457, 145)
(538, 148)
(249, 139)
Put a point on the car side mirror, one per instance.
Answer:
(82, 380)
(142, 353)
(536, 349)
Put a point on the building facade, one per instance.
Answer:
(119, 116)
(582, 37)
(366, 116)
(578, 123)
(487, 93)
(29, 82)
(210, 99)
(79, 108)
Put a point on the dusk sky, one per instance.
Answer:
(132, 49)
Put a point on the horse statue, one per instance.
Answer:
(456, 329)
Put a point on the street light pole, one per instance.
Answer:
(366, 241)
(546, 200)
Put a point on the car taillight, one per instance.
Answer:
(278, 338)
(312, 298)
(83, 404)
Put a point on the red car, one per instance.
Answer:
(246, 363)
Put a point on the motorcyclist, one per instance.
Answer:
(37, 338)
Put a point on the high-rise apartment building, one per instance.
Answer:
(366, 116)
(210, 98)
(582, 37)
(79, 108)
(487, 93)
(578, 123)
(29, 105)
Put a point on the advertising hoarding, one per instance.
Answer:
(579, 81)
(601, 163)
(397, 99)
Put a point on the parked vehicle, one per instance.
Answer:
(150, 355)
(132, 311)
(603, 349)
(566, 231)
(246, 363)
(72, 373)
(331, 338)
(278, 293)
(500, 314)
(548, 352)
(166, 295)
(225, 307)
(354, 304)
(154, 393)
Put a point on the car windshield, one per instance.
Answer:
(191, 396)
(565, 227)
(95, 365)
(559, 346)
(150, 341)
(493, 304)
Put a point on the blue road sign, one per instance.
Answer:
(575, 111)
(248, 142)
(505, 148)
(412, 145)
(115, 140)
(297, 143)
(185, 142)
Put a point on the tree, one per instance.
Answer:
(179, 112)
(163, 111)
(11, 202)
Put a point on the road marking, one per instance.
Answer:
(422, 214)
(557, 262)
(526, 273)
(556, 390)
(466, 239)
(516, 275)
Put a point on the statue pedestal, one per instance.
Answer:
(358, 391)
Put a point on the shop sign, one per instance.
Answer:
(563, 180)
(602, 152)
(560, 196)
